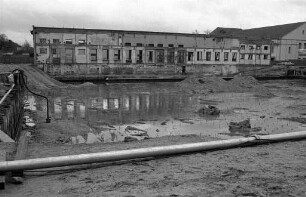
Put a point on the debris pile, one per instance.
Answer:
(209, 110)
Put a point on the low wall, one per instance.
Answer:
(11, 106)
(141, 69)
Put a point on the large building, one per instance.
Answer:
(287, 42)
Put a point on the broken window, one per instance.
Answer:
(180, 45)
(68, 55)
(43, 40)
(81, 42)
(199, 56)
(170, 56)
(234, 56)
(160, 56)
(242, 56)
(81, 51)
(190, 56)
(139, 56)
(139, 44)
(208, 56)
(150, 45)
(105, 54)
(43, 50)
(266, 48)
(225, 56)
(150, 58)
(250, 57)
(68, 41)
(160, 45)
(217, 56)
(170, 45)
(117, 54)
(266, 57)
(93, 55)
(242, 47)
(56, 41)
(54, 51)
(127, 44)
(300, 45)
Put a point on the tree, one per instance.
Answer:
(195, 32)
(207, 31)
(26, 47)
(3, 38)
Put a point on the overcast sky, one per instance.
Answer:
(18, 16)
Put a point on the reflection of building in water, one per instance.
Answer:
(121, 109)
(31, 103)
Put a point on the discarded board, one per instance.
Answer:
(2, 174)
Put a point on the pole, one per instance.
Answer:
(50, 162)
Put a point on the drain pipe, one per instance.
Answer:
(50, 162)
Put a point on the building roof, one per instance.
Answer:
(82, 30)
(270, 32)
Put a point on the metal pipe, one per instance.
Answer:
(49, 162)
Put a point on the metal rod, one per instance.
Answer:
(49, 162)
(7, 93)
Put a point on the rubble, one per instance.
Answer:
(209, 110)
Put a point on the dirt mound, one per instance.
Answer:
(199, 84)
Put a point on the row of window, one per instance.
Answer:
(250, 56)
(300, 45)
(252, 47)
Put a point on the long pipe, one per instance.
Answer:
(49, 162)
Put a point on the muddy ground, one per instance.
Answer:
(277, 169)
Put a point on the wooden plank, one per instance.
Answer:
(5, 138)
(21, 151)
(2, 174)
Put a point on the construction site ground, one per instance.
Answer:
(276, 169)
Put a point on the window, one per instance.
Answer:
(170, 45)
(160, 45)
(81, 51)
(43, 40)
(208, 56)
(56, 41)
(93, 55)
(190, 56)
(139, 44)
(289, 50)
(105, 54)
(266, 48)
(54, 52)
(199, 55)
(300, 45)
(68, 41)
(250, 57)
(171, 56)
(181, 56)
(242, 56)
(117, 54)
(180, 45)
(130, 55)
(43, 50)
(127, 44)
(251, 47)
(217, 56)
(242, 47)
(303, 32)
(234, 56)
(150, 45)
(304, 45)
(150, 59)
(139, 56)
(225, 56)
(266, 57)
(81, 42)
(160, 56)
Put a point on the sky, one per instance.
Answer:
(185, 16)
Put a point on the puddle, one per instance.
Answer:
(110, 109)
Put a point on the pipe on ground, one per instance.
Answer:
(49, 162)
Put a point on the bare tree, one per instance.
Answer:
(195, 32)
(207, 31)
(26, 46)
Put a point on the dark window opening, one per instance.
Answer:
(266, 57)
(54, 52)
(250, 57)
(105, 54)
(56, 41)
(304, 45)
(43, 50)
(93, 55)
(180, 45)
(139, 56)
(242, 47)
(300, 45)
(81, 42)
(170, 45)
(208, 56)
(117, 54)
(190, 56)
(150, 45)
(150, 59)
(43, 40)
(199, 55)
(160, 56)
(234, 56)
(226, 56)
(289, 50)
(170, 56)
(127, 44)
(266, 48)
(242, 56)
(181, 57)
(139, 44)
(160, 45)
(217, 56)
(68, 41)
